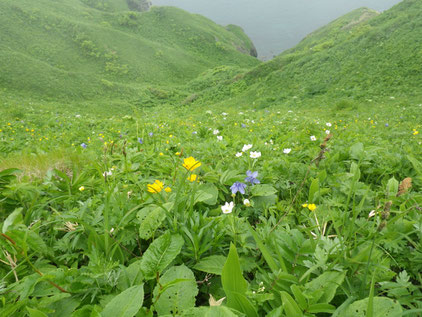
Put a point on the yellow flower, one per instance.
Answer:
(415, 132)
(190, 163)
(177, 153)
(193, 177)
(305, 205)
(155, 187)
(167, 189)
(161, 154)
(311, 207)
(82, 188)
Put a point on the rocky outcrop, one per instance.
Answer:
(139, 5)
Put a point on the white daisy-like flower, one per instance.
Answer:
(215, 132)
(287, 151)
(219, 137)
(227, 208)
(327, 131)
(224, 114)
(313, 138)
(246, 202)
(328, 124)
(246, 147)
(255, 154)
(239, 154)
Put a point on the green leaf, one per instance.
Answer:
(323, 288)
(14, 218)
(35, 312)
(131, 275)
(383, 306)
(235, 285)
(321, 308)
(126, 304)
(215, 311)
(314, 188)
(207, 194)
(176, 292)
(213, 264)
(265, 252)
(160, 254)
(263, 190)
(392, 187)
(150, 219)
(300, 298)
(356, 151)
(290, 306)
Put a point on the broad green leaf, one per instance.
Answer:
(321, 308)
(263, 190)
(356, 151)
(179, 293)
(290, 306)
(313, 189)
(392, 187)
(299, 297)
(160, 254)
(14, 218)
(235, 285)
(131, 275)
(323, 288)
(150, 219)
(207, 194)
(126, 304)
(213, 264)
(35, 312)
(383, 307)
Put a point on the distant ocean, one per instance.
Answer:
(275, 25)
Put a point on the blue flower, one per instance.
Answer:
(238, 187)
(150, 134)
(84, 145)
(141, 141)
(251, 177)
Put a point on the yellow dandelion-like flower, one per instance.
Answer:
(155, 187)
(190, 163)
(167, 189)
(193, 177)
(312, 207)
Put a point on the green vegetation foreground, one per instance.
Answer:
(275, 212)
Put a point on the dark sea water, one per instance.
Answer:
(275, 25)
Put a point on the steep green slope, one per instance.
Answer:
(361, 55)
(78, 49)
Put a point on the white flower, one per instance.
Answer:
(78, 116)
(246, 147)
(227, 208)
(255, 154)
(239, 154)
(327, 131)
(271, 141)
(224, 114)
(215, 132)
(247, 203)
(313, 138)
(219, 137)
(208, 112)
(240, 112)
(287, 151)
(328, 124)
(109, 173)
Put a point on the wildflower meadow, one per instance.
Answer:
(212, 212)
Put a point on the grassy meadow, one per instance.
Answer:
(150, 166)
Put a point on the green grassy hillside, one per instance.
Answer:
(86, 49)
(363, 54)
